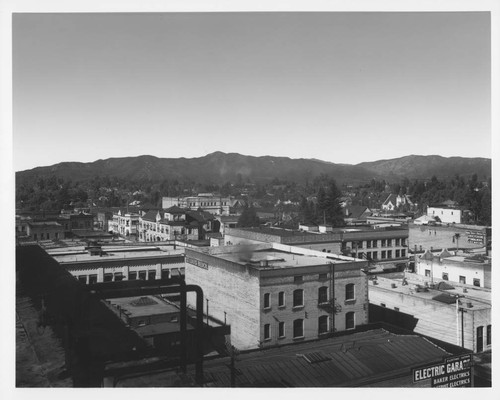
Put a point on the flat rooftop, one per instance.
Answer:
(64, 256)
(272, 259)
(143, 306)
(480, 298)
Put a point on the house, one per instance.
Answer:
(392, 202)
(124, 223)
(274, 294)
(356, 214)
(44, 230)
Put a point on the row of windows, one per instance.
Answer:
(374, 243)
(373, 255)
(298, 327)
(461, 279)
(118, 276)
(298, 296)
(43, 236)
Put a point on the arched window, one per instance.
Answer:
(298, 298)
(349, 320)
(323, 324)
(298, 328)
(323, 294)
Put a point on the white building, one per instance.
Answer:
(446, 215)
(215, 205)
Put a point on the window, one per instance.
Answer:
(267, 300)
(389, 253)
(118, 277)
(389, 242)
(267, 331)
(403, 242)
(281, 299)
(383, 254)
(132, 276)
(165, 274)
(349, 320)
(461, 279)
(152, 275)
(382, 245)
(476, 282)
(92, 279)
(428, 272)
(488, 335)
(82, 279)
(298, 328)
(368, 244)
(349, 291)
(479, 338)
(142, 275)
(369, 255)
(375, 255)
(398, 241)
(323, 324)
(298, 298)
(323, 277)
(298, 279)
(174, 319)
(403, 253)
(281, 329)
(374, 243)
(398, 253)
(323, 295)
(108, 277)
(445, 276)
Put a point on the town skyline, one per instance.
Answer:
(302, 85)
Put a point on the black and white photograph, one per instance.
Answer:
(250, 196)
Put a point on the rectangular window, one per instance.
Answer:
(267, 331)
(281, 329)
(151, 275)
(118, 277)
(298, 279)
(488, 335)
(368, 244)
(382, 245)
(479, 338)
(323, 295)
(369, 255)
(165, 273)
(389, 242)
(82, 279)
(108, 277)
(428, 272)
(398, 241)
(374, 243)
(281, 299)
(461, 279)
(298, 298)
(267, 300)
(403, 242)
(403, 253)
(132, 276)
(375, 255)
(383, 254)
(323, 277)
(298, 328)
(92, 279)
(476, 282)
(445, 276)
(389, 253)
(142, 275)
(398, 253)
(349, 320)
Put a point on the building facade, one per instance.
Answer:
(446, 215)
(209, 202)
(274, 294)
(45, 230)
(124, 223)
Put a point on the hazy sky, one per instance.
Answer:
(341, 87)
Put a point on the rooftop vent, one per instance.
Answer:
(316, 357)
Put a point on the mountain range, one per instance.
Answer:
(219, 167)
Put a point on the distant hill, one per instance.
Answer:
(424, 167)
(219, 168)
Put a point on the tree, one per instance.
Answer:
(248, 218)
(329, 209)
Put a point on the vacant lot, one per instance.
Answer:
(439, 237)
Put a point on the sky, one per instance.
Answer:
(337, 86)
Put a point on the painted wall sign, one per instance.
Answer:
(453, 372)
(197, 263)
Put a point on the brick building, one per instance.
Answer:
(274, 294)
(378, 243)
(44, 230)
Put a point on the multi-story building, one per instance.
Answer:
(465, 269)
(377, 243)
(44, 230)
(124, 223)
(274, 294)
(445, 214)
(109, 264)
(209, 202)
(170, 224)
